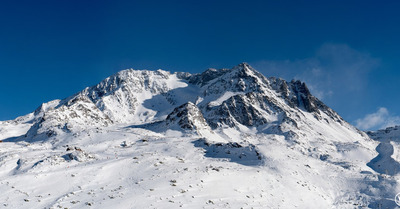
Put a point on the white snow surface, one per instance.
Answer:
(224, 97)
(227, 138)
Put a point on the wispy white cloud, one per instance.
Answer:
(377, 120)
(333, 70)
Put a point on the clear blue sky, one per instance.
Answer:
(346, 51)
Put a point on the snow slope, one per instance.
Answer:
(227, 138)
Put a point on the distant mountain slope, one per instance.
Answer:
(390, 133)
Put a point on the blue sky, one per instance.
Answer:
(346, 51)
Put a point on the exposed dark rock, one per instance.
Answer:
(187, 116)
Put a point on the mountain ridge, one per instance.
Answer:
(120, 98)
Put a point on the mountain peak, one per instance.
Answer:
(244, 66)
(244, 69)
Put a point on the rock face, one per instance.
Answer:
(242, 95)
(188, 117)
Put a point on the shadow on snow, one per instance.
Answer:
(233, 151)
(384, 163)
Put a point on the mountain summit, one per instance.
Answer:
(257, 140)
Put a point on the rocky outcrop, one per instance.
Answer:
(188, 117)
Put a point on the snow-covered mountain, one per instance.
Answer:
(224, 138)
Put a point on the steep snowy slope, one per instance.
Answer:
(225, 138)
